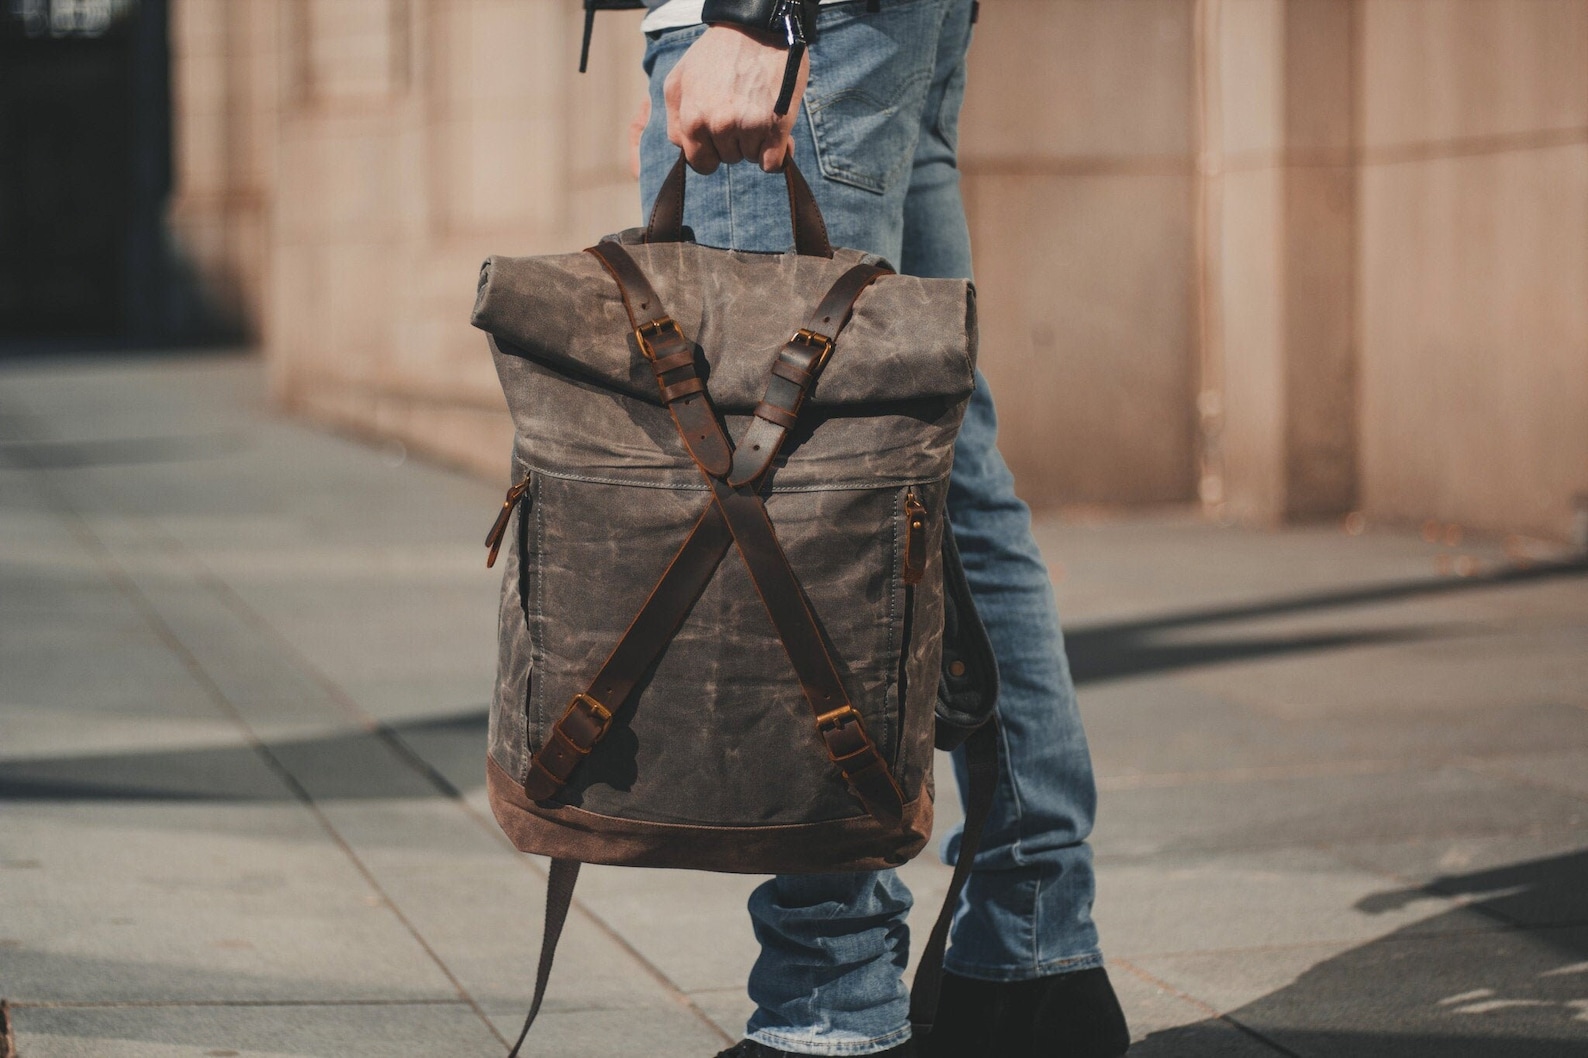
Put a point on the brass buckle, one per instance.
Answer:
(598, 712)
(806, 336)
(837, 718)
(647, 331)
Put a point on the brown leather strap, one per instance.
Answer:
(837, 721)
(559, 897)
(666, 222)
(798, 363)
(672, 357)
(588, 717)
(981, 764)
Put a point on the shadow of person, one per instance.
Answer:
(1505, 976)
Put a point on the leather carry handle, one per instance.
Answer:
(810, 231)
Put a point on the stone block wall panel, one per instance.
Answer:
(1290, 257)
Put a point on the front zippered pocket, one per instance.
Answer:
(912, 568)
(914, 538)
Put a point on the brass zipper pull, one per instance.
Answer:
(493, 539)
(914, 538)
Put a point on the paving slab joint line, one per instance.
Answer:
(1213, 1012)
(124, 1004)
(229, 598)
(232, 600)
(122, 581)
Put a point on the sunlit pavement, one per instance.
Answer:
(243, 674)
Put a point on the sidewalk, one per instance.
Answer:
(243, 676)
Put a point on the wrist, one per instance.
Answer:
(765, 38)
(780, 22)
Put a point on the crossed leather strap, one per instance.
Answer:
(736, 515)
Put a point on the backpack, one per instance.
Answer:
(731, 655)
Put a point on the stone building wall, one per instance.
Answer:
(1286, 257)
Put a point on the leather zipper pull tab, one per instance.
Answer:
(493, 539)
(914, 539)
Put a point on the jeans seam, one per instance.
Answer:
(874, 1045)
(1047, 968)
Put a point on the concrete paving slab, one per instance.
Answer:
(181, 902)
(1489, 993)
(1564, 770)
(1244, 900)
(1309, 743)
(1375, 806)
(675, 1032)
(1165, 1023)
(729, 1009)
(296, 1031)
(664, 914)
(1454, 668)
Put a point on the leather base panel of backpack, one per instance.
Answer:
(728, 569)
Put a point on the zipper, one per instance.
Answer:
(914, 538)
(493, 539)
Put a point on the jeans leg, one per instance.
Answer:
(1027, 908)
(833, 949)
(1026, 911)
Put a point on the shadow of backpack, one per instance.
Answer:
(732, 655)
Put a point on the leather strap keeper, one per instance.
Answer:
(683, 358)
(572, 738)
(784, 368)
(793, 373)
(682, 389)
(782, 417)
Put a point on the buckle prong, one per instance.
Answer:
(645, 332)
(594, 710)
(837, 718)
(806, 336)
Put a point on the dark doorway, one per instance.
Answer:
(85, 169)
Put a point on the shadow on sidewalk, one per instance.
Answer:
(403, 760)
(359, 764)
(1127, 648)
(1504, 977)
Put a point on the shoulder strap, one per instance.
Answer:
(559, 897)
(795, 369)
(672, 357)
(981, 762)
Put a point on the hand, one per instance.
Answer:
(720, 98)
(642, 118)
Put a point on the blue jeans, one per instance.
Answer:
(876, 138)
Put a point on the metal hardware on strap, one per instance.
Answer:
(646, 333)
(694, 416)
(794, 371)
(806, 336)
(589, 709)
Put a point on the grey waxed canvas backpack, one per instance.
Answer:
(733, 621)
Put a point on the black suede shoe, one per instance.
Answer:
(749, 1049)
(1071, 1015)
